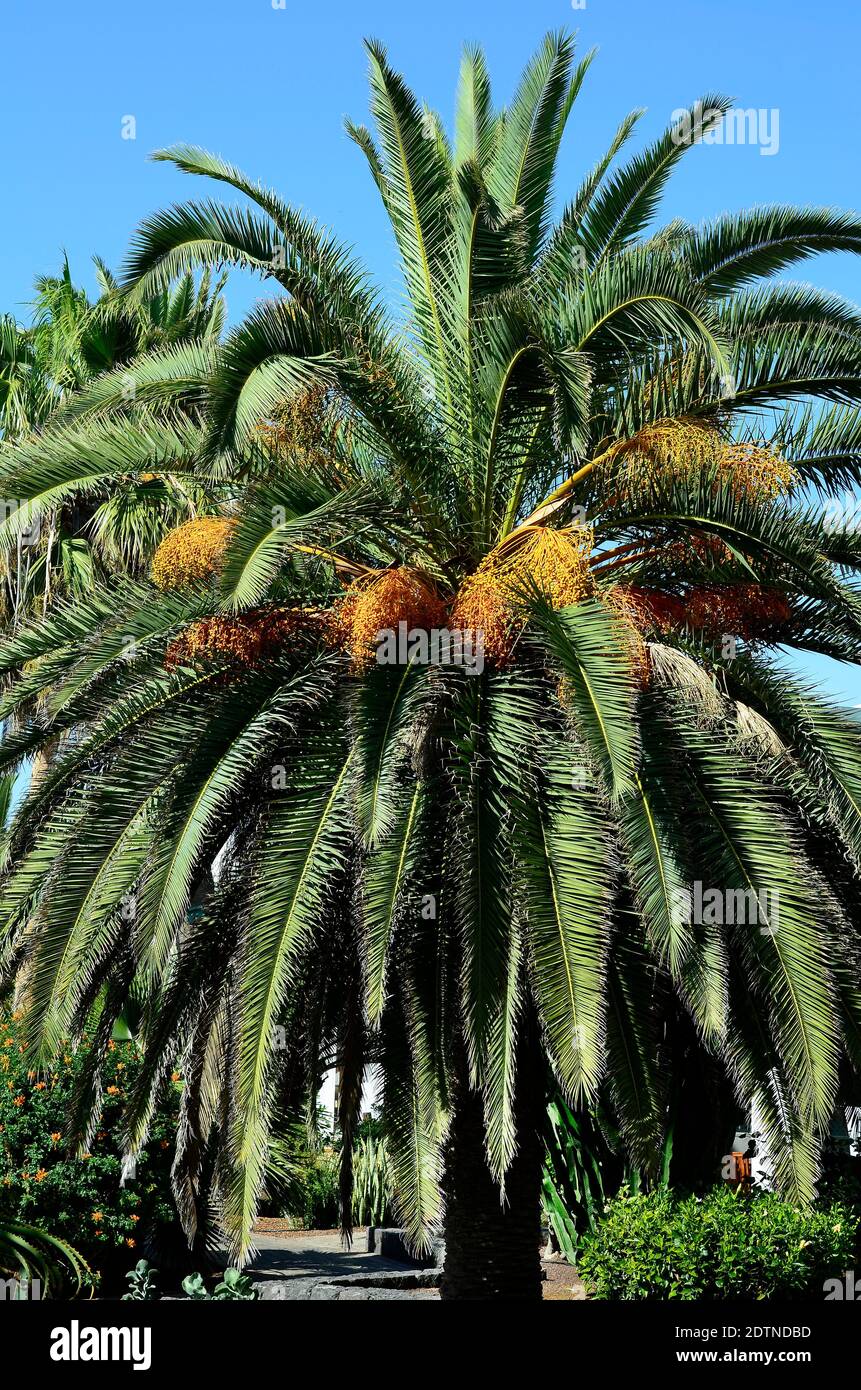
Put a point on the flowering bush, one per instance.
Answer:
(79, 1198)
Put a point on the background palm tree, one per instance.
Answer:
(593, 446)
(51, 373)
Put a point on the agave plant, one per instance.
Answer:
(599, 454)
(39, 1261)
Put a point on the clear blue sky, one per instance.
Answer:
(268, 88)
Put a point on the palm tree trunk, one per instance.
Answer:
(492, 1250)
(704, 1110)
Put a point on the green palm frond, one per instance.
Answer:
(637, 1086)
(521, 169)
(415, 1128)
(749, 846)
(588, 645)
(625, 205)
(740, 247)
(570, 872)
(305, 844)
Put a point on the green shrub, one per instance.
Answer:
(79, 1199)
(840, 1181)
(302, 1180)
(318, 1185)
(721, 1246)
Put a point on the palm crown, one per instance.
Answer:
(602, 451)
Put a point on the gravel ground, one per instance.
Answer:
(561, 1283)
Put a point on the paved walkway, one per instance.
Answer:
(299, 1265)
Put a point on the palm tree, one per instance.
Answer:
(75, 361)
(601, 454)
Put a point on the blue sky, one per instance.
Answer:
(268, 88)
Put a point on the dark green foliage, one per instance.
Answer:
(372, 1183)
(43, 1265)
(411, 864)
(721, 1246)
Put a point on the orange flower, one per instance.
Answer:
(134, 1216)
(39, 1086)
(175, 1076)
(130, 1242)
(19, 1101)
(98, 1217)
(56, 1137)
(41, 1174)
(113, 1090)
